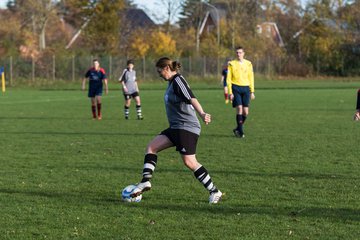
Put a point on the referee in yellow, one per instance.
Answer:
(240, 81)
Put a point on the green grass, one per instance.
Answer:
(294, 176)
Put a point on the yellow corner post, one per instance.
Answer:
(2, 79)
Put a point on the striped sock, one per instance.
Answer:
(203, 176)
(138, 111)
(150, 161)
(126, 112)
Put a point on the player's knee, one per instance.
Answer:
(151, 149)
(190, 162)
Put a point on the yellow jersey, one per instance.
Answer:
(240, 74)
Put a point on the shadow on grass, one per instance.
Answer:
(332, 214)
(221, 209)
(287, 175)
(75, 197)
(293, 175)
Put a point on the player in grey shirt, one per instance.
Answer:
(183, 133)
(179, 110)
(130, 90)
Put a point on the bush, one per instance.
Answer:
(295, 68)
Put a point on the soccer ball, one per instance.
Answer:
(125, 194)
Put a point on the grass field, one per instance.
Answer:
(294, 176)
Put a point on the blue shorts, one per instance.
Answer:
(95, 91)
(241, 95)
(224, 82)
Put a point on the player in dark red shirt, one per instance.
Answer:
(96, 76)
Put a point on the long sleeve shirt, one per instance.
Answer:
(241, 74)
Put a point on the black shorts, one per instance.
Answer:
(241, 95)
(129, 96)
(184, 141)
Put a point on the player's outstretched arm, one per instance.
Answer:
(204, 116)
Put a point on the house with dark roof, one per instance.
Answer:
(130, 20)
(270, 31)
(219, 11)
(136, 18)
(212, 18)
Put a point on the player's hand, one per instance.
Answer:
(125, 89)
(231, 97)
(252, 96)
(357, 116)
(206, 118)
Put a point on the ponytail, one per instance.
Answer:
(165, 61)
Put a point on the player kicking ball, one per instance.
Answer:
(181, 108)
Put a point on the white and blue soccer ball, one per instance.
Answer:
(126, 192)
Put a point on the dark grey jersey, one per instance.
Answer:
(129, 78)
(180, 113)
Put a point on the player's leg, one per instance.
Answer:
(156, 145)
(91, 95)
(127, 106)
(186, 143)
(159, 143)
(245, 96)
(202, 175)
(138, 107)
(93, 106)
(245, 113)
(238, 131)
(357, 113)
(98, 103)
(238, 105)
(226, 95)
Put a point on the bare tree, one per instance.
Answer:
(39, 11)
(172, 10)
